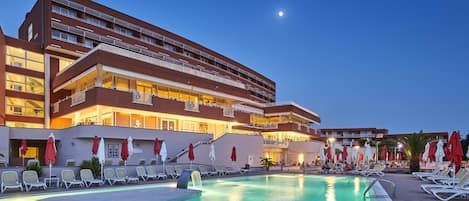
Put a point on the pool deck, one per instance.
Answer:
(408, 188)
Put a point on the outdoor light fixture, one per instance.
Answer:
(357, 147)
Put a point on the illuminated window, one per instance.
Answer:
(167, 124)
(24, 59)
(64, 36)
(122, 84)
(23, 83)
(33, 152)
(24, 107)
(23, 124)
(64, 63)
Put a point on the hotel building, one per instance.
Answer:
(80, 69)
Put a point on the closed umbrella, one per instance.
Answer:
(337, 156)
(360, 156)
(455, 150)
(124, 151)
(321, 153)
(425, 153)
(432, 151)
(191, 153)
(391, 156)
(368, 152)
(130, 146)
(94, 148)
(333, 152)
(101, 155)
(344, 153)
(420, 157)
(24, 148)
(211, 155)
(329, 154)
(440, 152)
(51, 154)
(156, 148)
(233, 154)
(163, 152)
(384, 151)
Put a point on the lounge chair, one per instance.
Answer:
(377, 170)
(220, 170)
(170, 171)
(31, 180)
(151, 172)
(442, 174)
(69, 179)
(203, 171)
(447, 179)
(232, 170)
(3, 161)
(121, 173)
(420, 174)
(141, 173)
(88, 179)
(10, 180)
(451, 192)
(450, 183)
(110, 177)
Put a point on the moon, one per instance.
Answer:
(280, 13)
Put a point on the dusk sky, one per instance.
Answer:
(401, 65)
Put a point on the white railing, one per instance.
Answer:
(228, 112)
(141, 98)
(275, 142)
(191, 106)
(78, 98)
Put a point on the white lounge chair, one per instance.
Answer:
(433, 172)
(10, 180)
(232, 170)
(203, 171)
(377, 170)
(110, 177)
(447, 179)
(31, 180)
(141, 173)
(69, 179)
(170, 171)
(450, 192)
(88, 179)
(220, 170)
(151, 172)
(442, 174)
(121, 173)
(460, 181)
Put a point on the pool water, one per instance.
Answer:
(284, 187)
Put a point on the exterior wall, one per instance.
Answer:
(291, 108)
(5, 142)
(35, 17)
(246, 145)
(309, 150)
(2, 78)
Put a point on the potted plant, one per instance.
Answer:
(266, 163)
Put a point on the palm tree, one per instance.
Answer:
(414, 144)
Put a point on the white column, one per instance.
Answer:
(47, 103)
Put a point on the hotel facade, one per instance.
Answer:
(80, 69)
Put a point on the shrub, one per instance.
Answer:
(36, 168)
(93, 165)
(153, 162)
(142, 162)
(121, 163)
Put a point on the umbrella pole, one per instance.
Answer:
(50, 171)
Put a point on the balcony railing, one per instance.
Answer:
(141, 98)
(191, 106)
(228, 112)
(78, 98)
(275, 142)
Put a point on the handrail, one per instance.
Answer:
(384, 180)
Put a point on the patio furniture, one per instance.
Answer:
(121, 173)
(141, 173)
(10, 180)
(451, 192)
(31, 180)
(151, 172)
(110, 177)
(88, 179)
(52, 180)
(69, 179)
(170, 171)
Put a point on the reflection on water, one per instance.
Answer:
(356, 189)
(330, 193)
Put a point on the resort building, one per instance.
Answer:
(80, 69)
(352, 136)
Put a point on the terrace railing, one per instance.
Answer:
(141, 98)
(191, 106)
(78, 98)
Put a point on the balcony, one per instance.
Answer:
(275, 143)
(142, 98)
(78, 98)
(191, 106)
(228, 112)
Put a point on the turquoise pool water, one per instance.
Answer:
(284, 187)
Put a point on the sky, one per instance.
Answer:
(401, 65)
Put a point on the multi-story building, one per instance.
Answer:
(347, 136)
(79, 63)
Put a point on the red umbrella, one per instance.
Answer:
(360, 156)
(51, 152)
(125, 150)
(391, 156)
(94, 149)
(233, 154)
(455, 150)
(374, 156)
(420, 157)
(156, 147)
(337, 156)
(191, 152)
(384, 151)
(344, 153)
(329, 155)
(432, 151)
(399, 156)
(24, 148)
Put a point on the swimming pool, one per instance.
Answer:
(284, 187)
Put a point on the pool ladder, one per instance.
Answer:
(380, 196)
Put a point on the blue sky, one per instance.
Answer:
(401, 65)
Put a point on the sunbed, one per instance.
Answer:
(69, 179)
(31, 180)
(10, 180)
(110, 177)
(88, 179)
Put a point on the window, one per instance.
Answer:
(123, 31)
(113, 150)
(122, 84)
(64, 36)
(24, 107)
(169, 47)
(64, 63)
(32, 152)
(95, 21)
(24, 59)
(64, 11)
(89, 43)
(23, 83)
(30, 32)
(23, 124)
(168, 124)
(148, 40)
